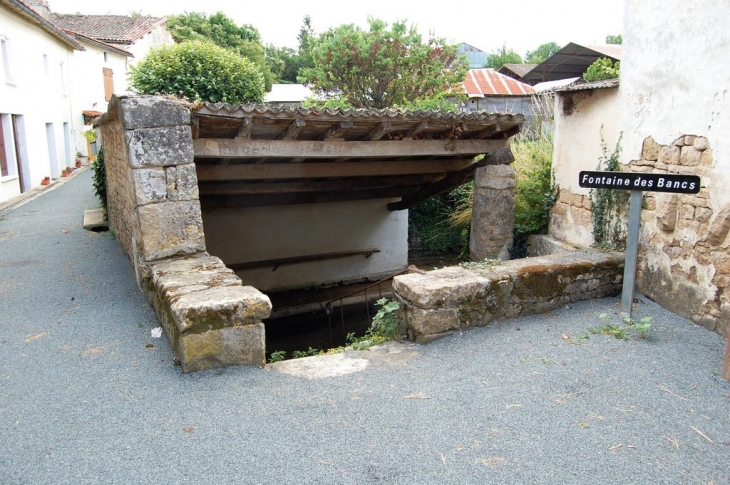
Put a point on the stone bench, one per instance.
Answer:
(210, 318)
(439, 302)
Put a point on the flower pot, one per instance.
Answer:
(78, 163)
(46, 181)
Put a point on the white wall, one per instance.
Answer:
(87, 85)
(675, 79)
(159, 37)
(577, 146)
(248, 234)
(36, 92)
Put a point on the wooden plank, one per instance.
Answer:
(308, 185)
(196, 127)
(487, 132)
(302, 259)
(236, 148)
(452, 181)
(292, 131)
(380, 131)
(212, 202)
(419, 128)
(273, 171)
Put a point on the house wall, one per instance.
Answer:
(672, 119)
(582, 120)
(159, 37)
(244, 235)
(87, 86)
(676, 99)
(38, 90)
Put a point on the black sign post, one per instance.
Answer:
(637, 183)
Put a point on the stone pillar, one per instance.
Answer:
(210, 318)
(493, 211)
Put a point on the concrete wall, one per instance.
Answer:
(159, 37)
(582, 118)
(38, 91)
(247, 234)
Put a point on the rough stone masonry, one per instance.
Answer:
(210, 318)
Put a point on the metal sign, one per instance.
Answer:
(637, 183)
(648, 182)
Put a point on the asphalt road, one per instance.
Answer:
(84, 401)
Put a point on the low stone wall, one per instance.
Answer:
(436, 303)
(210, 318)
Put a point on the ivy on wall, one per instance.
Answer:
(608, 206)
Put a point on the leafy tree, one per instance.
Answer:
(222, 31)
(286, 62)
(198, 70)
(382, 67)
(541, 53)
(602, 69)
(614, 39)
(503, 56)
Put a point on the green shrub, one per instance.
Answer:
(602, 69)
(608, 206)
(99, 179)
(199, 70)
(429, 227)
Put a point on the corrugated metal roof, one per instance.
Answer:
(118, 29)
(488, 82)
(586, 86)
(518, 69)
(571, 61)
(274, 111)
(31, 15)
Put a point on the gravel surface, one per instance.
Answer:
(83, 401)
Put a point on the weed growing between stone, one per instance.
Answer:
(384, 327)
(621, 330)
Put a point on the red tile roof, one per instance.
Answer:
(32, 16)
(488, 82)
(117, 29)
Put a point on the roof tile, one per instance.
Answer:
(118, 29)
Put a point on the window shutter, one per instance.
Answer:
(108, 84)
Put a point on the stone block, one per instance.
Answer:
(219, 307)
(719, 227)
(149, 185)
(669, 155)
(241, 345)
(153, 112)
(706, 158)
(498, 177)
(182, 182)
(701, 143)
(447, 287)
(425, 323)
(160, 147)
(689, 140)
(170, 229)
(666, 211)
(689, 156)
(650, 149)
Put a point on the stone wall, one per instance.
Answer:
(441, 301)
(210, 318)
(683, 257)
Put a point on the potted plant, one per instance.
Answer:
(46, 181)
(78, 159)
(64, 173)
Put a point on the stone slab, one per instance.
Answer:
(94, 220)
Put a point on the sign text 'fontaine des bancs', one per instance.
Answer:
(637, 183)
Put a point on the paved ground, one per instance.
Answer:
(82, 400)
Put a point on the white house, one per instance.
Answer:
(112, 44)
(35, 97)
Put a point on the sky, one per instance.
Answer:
(521, 25)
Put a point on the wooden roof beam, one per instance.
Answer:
(380, 131)
(337, 130)
(293, 130)
(244, 131)
(274, 171)
(237, 148)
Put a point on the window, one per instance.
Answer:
(5, 47)
(106, 57)
(108, 84)
(46, 71)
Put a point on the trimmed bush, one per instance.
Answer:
(199, 70)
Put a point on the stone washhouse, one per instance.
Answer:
(217, 204)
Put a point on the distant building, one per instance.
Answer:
(570, 61)
(287, 94)
(516, 71)
(477, 57)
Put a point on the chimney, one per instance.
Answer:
(41, 8)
